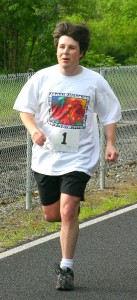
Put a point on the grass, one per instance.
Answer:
(9, 90)
(106, 202)
(21, 225)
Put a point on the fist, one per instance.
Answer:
(38, 137)
(111, 154)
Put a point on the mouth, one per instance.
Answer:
(65, 59)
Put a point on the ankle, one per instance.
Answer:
(66, 263)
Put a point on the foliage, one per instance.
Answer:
(93, 59)
(26, 35)
(113, 26)
(23, 25)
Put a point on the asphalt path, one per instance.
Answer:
(105, 263)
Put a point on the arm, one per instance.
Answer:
(37, 135)
(111, 154)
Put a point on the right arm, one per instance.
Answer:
(37, 135)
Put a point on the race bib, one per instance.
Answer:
(62, 139)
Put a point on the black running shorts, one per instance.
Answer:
(50, 187)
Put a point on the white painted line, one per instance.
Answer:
(29, 245)
(57, 234)
(108, 216)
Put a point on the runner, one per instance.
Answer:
(58, 106)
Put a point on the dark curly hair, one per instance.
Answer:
(79, 32)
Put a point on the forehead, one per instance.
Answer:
(67, 40)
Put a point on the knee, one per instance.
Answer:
(68, 212)
(51, 216)
(48, 217)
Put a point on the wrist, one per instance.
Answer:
(111, 143)
(33, 132)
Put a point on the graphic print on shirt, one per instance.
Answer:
(68, 110)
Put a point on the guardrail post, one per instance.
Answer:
(29, 173)
(102, 158)
(102, 149)
(29, 156)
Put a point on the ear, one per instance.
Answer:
(81, 55)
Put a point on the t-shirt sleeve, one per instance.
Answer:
(107, 105)
(27, 98)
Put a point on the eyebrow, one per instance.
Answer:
(62, 44)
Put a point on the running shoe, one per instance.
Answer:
(65, 279)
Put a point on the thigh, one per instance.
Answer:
(74, 184)
(48, 187)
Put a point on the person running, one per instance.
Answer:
(58, 106)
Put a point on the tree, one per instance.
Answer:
(23, 23)
(26, 35)
(113, 26)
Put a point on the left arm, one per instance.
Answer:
(111, 154)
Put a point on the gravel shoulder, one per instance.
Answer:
(116, 179)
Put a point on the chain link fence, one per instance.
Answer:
(123, 81)
(13, 138)
(15, 144)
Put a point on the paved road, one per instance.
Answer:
(105, 265)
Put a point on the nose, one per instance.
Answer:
(65, 50)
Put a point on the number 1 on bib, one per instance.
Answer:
(64, 139)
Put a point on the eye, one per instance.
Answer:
(61, 46)
(72, 47)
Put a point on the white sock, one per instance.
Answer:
(66, 263)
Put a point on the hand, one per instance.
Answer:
(111, 154)
(38, 137)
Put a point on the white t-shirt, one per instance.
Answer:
(65, 109)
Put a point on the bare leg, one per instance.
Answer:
(69, 226)
(66, 211)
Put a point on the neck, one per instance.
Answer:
(71, 72)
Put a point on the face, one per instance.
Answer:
(68, 55)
